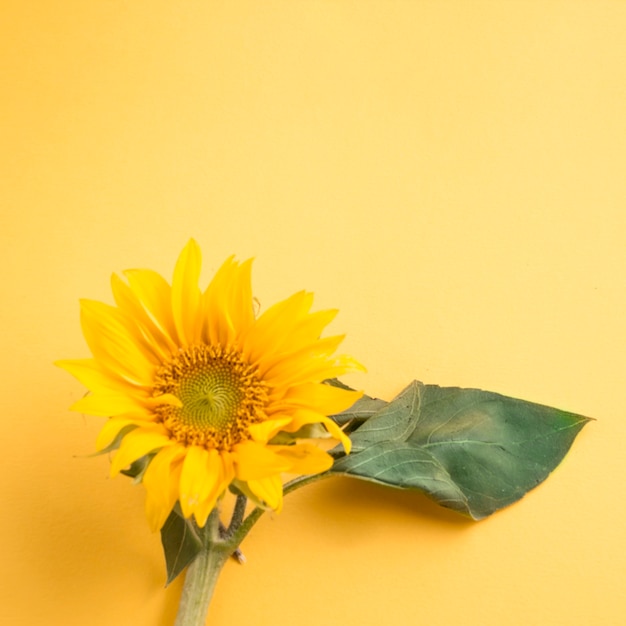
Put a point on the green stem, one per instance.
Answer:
(238, 512)
(302, 481)
(202, 574)
(200, 581)
(201, 577)
(238, 535)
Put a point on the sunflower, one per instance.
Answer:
(208, 394)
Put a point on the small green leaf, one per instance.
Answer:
(470, 450)
(181, 545)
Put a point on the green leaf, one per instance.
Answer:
(181, 544)
(470, 450)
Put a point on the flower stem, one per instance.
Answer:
(238, 514)
(302, 481)
(200, 581)
(236, 535)
(201, 577)
(203, 572)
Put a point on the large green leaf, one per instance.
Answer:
(472, 451)
(181, 544)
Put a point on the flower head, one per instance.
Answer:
(206, 392)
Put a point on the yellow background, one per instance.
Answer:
(449, 174)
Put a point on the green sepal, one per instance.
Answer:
(181, 544)
(471, 451)
(137, 468)
(115, 444)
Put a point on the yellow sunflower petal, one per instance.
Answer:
(299, 370)
(268, 490)
(107, 405)
(186, 294)
(310, 327)
(302, 339)
(196, 482)
(324, 399)
(220, 328)
(305, 458)
(155, 296)
(215, 467)
(277, 365)
(113, 404)
(127, 301)
(165, 398)
(157, 478)
(111, 430)
(256, 461)
(138, 443)
(271, 330)
(337, 433)
(240, 302)
(115, 343)
(301, 417)
(264, 431)
(161, 480)
(90, 374)
(228, 466)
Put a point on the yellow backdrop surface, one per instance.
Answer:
(450, 175)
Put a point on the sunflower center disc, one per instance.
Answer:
(220, 394)
(210, 396)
